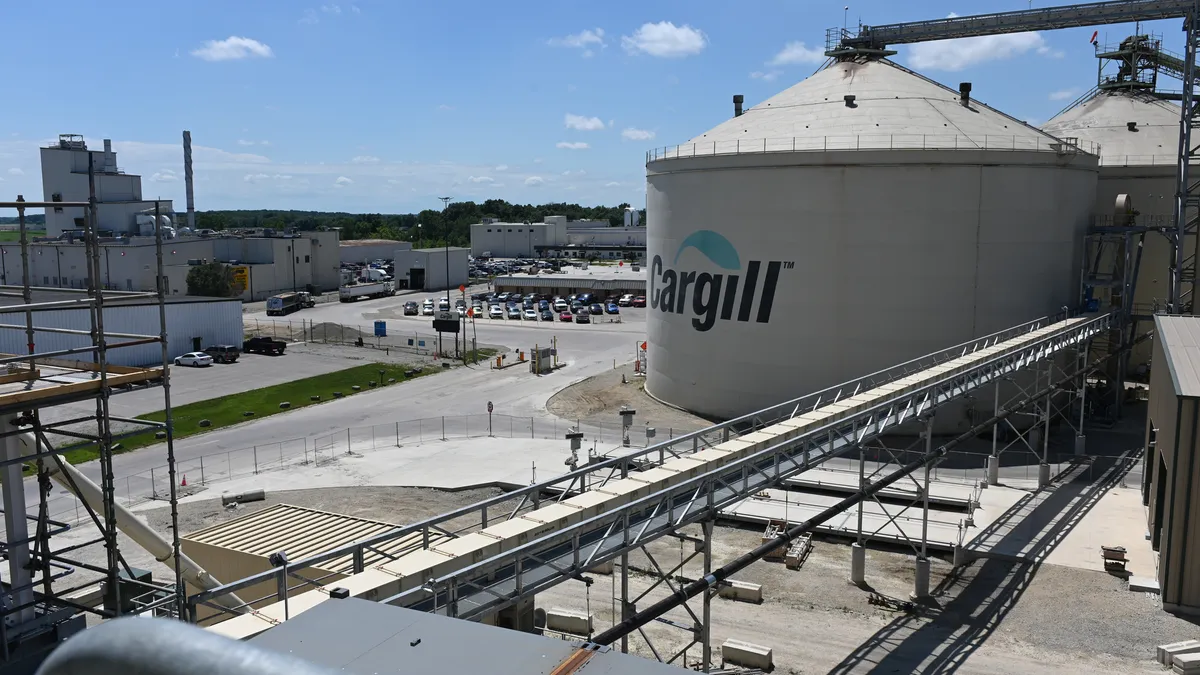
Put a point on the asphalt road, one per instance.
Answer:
(586, 349)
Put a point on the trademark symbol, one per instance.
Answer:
(789, 264)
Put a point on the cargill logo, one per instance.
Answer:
(713, 295)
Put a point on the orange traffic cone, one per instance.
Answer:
(183, 483)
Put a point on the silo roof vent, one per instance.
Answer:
(1132, 126)
(849, 98)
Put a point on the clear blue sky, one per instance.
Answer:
(382, 106)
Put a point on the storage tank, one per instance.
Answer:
(861, 218)
(1138, 135)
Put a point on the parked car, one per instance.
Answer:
(547, 315)
(527, 304)
(495, 312)
(514, 312)
(561, 305)
(223, 353)
(625, 300)
(596, 308)
(427, 308)
(639, 301)
(583, 317)
(502, 297)
(530, 314)
(194, 359)
(612, 308)
(411, 308)
(264, 345)
(566, 316)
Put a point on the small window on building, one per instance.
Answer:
(489, 229)
(46, 281)
(510, 229)
(305, 258)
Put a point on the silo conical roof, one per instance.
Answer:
(888, 100)
(1104, 119)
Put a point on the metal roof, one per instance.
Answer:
(889, 100)
(1104, 119)
(1180, 339)
(359, 636)
(303, 532)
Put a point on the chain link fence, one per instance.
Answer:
(316, 451)
(360, 335)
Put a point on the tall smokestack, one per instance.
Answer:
(187, 179)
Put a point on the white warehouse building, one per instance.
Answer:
(558, 237)
(861, 218)
(193, 323)
(431, 269)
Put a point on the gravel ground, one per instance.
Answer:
(598, 398)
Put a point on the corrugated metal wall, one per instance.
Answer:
(212, 322)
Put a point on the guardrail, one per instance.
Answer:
(750, 146)
(531, 496)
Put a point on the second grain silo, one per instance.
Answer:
(861, 218)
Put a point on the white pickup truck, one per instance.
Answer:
(375, 289)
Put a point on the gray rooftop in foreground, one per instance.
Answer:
(1180, 338)
(363, 637)
(889, 99)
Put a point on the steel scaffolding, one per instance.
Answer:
(50, 587)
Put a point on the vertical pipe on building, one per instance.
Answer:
(180, 600)
(1187, 500)
(1166, 549)
(26, 291)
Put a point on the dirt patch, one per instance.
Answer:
(598, 398)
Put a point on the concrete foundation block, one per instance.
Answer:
(1186, 664)
(858, 564)
(747, 655)
(603, 568)
(741, 590)
(518, 617)
(1043, 475)
(1168, 652)
(1080, 445)
(993, 470)
(569, 621)
(921, 584)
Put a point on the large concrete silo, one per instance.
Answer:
(861, 218)
(1138, 135)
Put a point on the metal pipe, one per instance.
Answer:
(70, 331)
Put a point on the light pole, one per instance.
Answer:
(446, 228)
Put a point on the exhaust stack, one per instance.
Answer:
(187, 179)
(737, 105)
(964, 94)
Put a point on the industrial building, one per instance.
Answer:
(906, 235)
(269, 265)
(604, 280)
(65, 179)
(426, 268)
(557, 237)
(364, 251)
(1171, 491)
(193, 324)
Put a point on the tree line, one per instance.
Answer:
(438, 228)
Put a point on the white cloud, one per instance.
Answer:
(480, 179)
(580, 172)
(632, 134)
(583, 123)
(1063, 94)
(612, 183)
(961, 53)
(365, 159)
(768, 76)
(164, 176)
(255, 177)
(242, 141)
(342, 181)
(445, 107)
(355, 9)
(534, 181)
(797, 52)
(502, 167)
(16, 172)
(537, 160)
(331, 9)
(232, 48)
(564, 145)
(665, 39)
(582, 40)
(310, 17)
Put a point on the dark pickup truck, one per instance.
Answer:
(264, 345)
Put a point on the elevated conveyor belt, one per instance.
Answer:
(481, 572)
